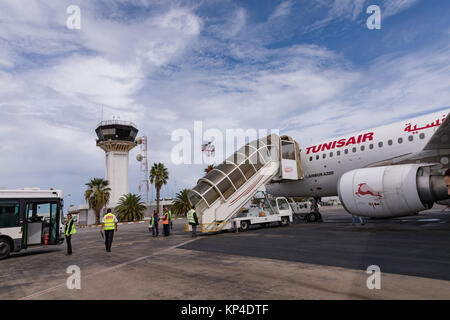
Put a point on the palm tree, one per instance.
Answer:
(209, 168)
(130, 208)
(181, 204)
(159, 176)
(97, 196)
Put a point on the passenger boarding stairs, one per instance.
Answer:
(221, 193)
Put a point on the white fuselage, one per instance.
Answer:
(325, 162)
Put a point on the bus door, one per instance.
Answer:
(41, 219)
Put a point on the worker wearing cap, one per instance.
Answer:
(192, 220)
(109, 224)
(69, 230)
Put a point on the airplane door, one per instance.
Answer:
(288, 161)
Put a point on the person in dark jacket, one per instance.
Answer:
(154, 223)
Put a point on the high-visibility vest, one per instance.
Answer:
(166, 219)
(153, 220)
(110, 221)
(170, 215)
(72, 231)
(190, 216)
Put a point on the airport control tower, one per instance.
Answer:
(116, 138)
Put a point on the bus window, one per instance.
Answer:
(9, 214)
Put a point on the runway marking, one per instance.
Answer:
(40, 293)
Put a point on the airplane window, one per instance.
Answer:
(354, 149)
(331, 154)
(317, 157)
(422, 135)
(400, 140)
(362, 148)
(346, 151)
(371, 146)
(324, 155)
(310, 158)
(390, 142)
(338, 153)
(411, 138)
(380, 144)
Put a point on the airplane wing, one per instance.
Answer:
(437, 146)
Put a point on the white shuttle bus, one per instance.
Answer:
(30, 218)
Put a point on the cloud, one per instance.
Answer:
(346, 9)
(163, 66)
(393, 86)
(394, 7)
(283, 9)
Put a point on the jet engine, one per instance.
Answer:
(391, 191)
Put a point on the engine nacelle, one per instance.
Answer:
(391, 191)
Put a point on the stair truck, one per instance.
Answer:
(221, 194)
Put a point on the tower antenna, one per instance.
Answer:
(143, 159)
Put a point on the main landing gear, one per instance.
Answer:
(314, 215)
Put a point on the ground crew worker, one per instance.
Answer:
(109, 224)
(192, 220)
(154, 223)
(69, 230)
(361, 221)
(165, 222)
(170, 220)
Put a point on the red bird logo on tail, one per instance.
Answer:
(364, 189)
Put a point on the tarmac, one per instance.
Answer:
(326, 260)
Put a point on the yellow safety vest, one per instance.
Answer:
(190, 216)
(72, 231)
(109, 221)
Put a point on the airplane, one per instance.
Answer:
(389, 171)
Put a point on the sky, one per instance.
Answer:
(310, 68)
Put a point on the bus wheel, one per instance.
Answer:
(284, 221)
(244, 226)
(5, 248)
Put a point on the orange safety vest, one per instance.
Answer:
(165, 219)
